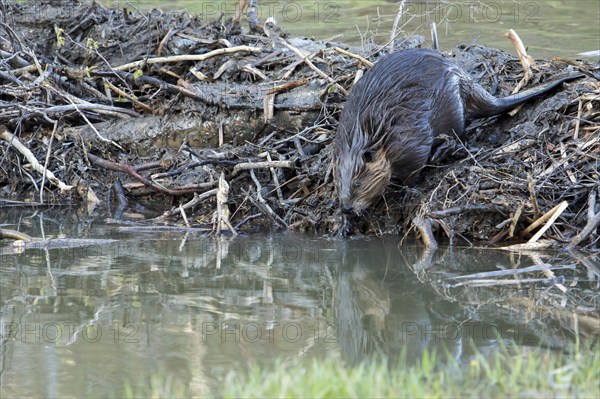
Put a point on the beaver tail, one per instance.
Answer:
(481, 104)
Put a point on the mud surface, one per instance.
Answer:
(172, 131)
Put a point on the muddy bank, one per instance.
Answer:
(231, 130)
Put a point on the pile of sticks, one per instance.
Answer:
(100, 68)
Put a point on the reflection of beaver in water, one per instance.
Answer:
(393, 117)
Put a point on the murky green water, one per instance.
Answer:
(548, 28)
(90, 318)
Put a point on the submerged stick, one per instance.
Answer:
(512, 272)
(548, 273)
(527, 246)
(493, 282)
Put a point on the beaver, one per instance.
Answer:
(397, 113)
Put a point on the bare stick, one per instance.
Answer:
(534, 204)
(515, 220)
(268, 107)
(222, 213)
(127, 96)
(578, 120)
(255, 71)
(187, 57)
(239, 10)
(355, 56)
(461, 209)
(527, 62)
(263, 203)
(14, 141)
(47, 160)
(163, 42)
(539, 221)
(183, 215)
(591, 225)
(424, 227)
(560, 209)
(395, 25)
(495, 282)
(15, 235)
(275, 180)
(260, 165)
(434, 36)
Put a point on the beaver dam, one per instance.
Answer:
(230, 131)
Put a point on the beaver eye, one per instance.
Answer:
(368, 156)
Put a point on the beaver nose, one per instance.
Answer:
(346, 209)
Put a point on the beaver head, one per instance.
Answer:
(362, 173)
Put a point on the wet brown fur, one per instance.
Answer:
(372, 180)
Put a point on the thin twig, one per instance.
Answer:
(187, 57)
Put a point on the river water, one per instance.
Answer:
(115, 305)
(548, 28)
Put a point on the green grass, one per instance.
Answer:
(528, 373)
(520, 372)
(158, 386)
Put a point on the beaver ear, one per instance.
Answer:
(368, 156)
